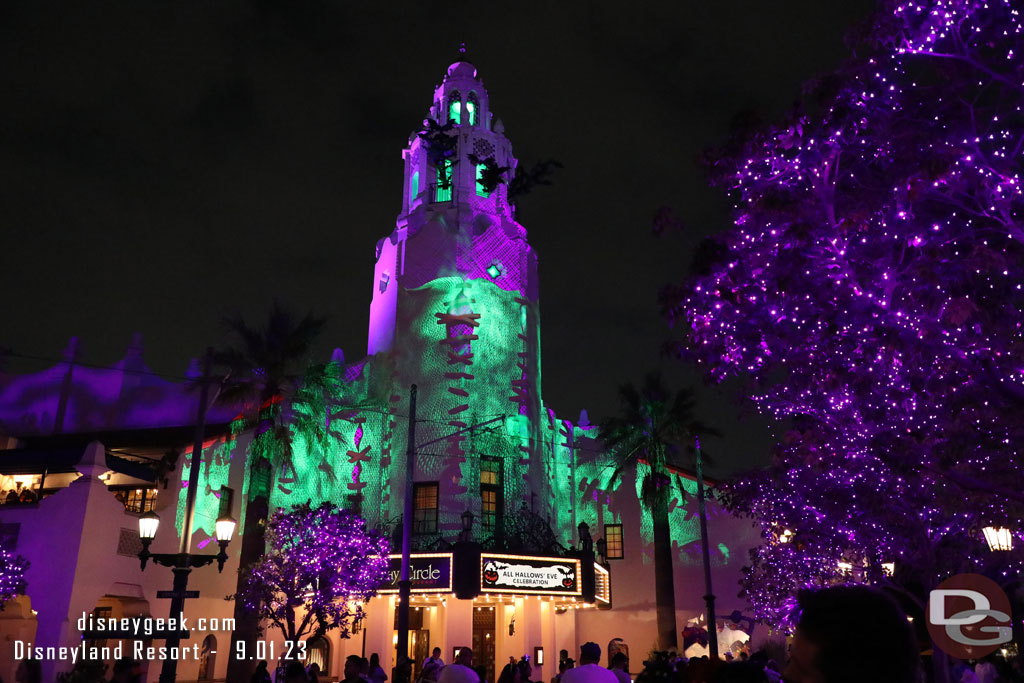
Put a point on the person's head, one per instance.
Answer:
(563, 655)
(838, 625)
(262, 666)
(525, 669)
(353, 665)
(620, 661)
(314, 669)
(590, 653)
(294, 672)
(465, 657)
(437, 652)
(29, 671)
(374, 660)
(124, 670)
(509, 674)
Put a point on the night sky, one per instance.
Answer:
(165, 164)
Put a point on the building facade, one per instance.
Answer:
(508, 498)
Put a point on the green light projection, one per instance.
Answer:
(480, 190)
(471, 112)
(214, 473)
(443, 192)
(414, 187)
(455, 111)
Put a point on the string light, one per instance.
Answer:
(872, 288)
(322, 560)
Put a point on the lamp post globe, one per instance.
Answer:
(148, 524)
(225, 528)
(998, 538)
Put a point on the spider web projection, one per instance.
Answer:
(214, 472)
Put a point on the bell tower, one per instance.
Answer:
(456, 220)
(454, 306)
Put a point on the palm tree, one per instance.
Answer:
(655, 427)
(262, 375)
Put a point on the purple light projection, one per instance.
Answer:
(871, 290)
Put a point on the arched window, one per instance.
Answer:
(472, 109)
(208, 658)
(455, 107)
(318, 651)
(414, 187)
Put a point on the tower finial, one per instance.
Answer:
(462, 49)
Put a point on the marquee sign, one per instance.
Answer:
(429, 572)
(529, 574)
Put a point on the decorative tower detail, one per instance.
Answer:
(455, 296)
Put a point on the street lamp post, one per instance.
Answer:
(709, 597)
(182, 562)
(467, 526)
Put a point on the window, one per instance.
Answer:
(488, 508)
(444, 181)
(490, 493)
(414, 188)
(227, 498)
(137, 500)
(318, 651)
(104, 613)
(613, 541)
(455, 107)
(480, 189)
(208, 659)
(424, 508)
(472, 109)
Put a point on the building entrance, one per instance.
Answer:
(419, 640)
(483, 639)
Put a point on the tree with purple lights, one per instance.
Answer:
(871, 292)
(12, 575)
(322, 565)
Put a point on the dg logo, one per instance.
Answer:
(969, 616)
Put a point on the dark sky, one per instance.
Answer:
(163, 164)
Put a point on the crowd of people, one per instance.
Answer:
(844, 634)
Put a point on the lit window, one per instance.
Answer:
(385, 278)
(139, 500)
(472, 109)
(490, 472)
(424, 508)
(494, 270)
(444, 182)
(414, 188)
(613, 541)
(455, 108)
(480, 189)
(490, 493)
(489, 508)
